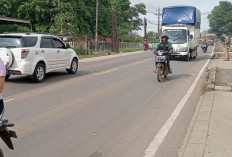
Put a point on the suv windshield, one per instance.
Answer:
(17, 41)
(176, 36)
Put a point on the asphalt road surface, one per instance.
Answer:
(111, 108)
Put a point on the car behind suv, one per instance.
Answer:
(35, 55)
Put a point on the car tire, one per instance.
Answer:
(7, 77)
(39, 73)
(73, 67)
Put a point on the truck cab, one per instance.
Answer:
(181, 39)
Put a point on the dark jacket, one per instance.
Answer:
(162, 46)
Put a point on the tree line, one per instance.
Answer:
(220, 20)
(75, 17)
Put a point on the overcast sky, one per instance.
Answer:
(204, 6)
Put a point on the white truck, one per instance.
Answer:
(182, 25)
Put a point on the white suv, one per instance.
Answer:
(35, 55)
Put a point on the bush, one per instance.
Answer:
(80, 51)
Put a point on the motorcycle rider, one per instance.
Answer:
(145, 44)
(204, 44)
(166, 46)
(2, 82)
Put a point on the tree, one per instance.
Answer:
(128, 17)
(75, 17)
(152, 36)
(220, 19)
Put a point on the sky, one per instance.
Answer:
(205, 6)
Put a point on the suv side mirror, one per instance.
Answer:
(68, 46)
(191, 37)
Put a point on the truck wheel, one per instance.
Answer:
(195, 55)
(39, 73)
(187, 58)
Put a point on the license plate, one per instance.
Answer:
(160, 57)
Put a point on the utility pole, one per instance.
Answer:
(158, 14)
(61, 23)
(61, 18)
(96, 35)
(114, 29)
(145, 28)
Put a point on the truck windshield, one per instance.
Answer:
(176, 36)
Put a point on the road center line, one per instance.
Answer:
(147, 60)
(108, 71)
(9, 100)
(104, 72)
(160, 137)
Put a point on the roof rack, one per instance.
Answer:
(28, 33)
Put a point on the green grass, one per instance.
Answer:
(81, 55)
(204, 88)
(129, 50)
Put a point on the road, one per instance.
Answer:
(111, 108)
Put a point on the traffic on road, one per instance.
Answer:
(100, 82)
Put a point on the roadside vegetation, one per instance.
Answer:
(220, 20)
(75, 17)
(91, 55)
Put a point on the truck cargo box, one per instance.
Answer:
(181, 15)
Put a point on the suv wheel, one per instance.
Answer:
(73, 67)
(39, 73)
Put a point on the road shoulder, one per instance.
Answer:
(210, 131)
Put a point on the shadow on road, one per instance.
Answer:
(178, 76)
(50, 77)
(96, 154)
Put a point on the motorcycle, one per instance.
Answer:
(204, 48)
(6, 134)
(146, 47)
(161, 65)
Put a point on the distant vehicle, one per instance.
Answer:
(146, 47)
(210, 40)
(35, 55)
(182, 25)
(204, 48)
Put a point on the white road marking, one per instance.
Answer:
(104, 72)
(159, 138)
(9, 100)
(143, 61)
